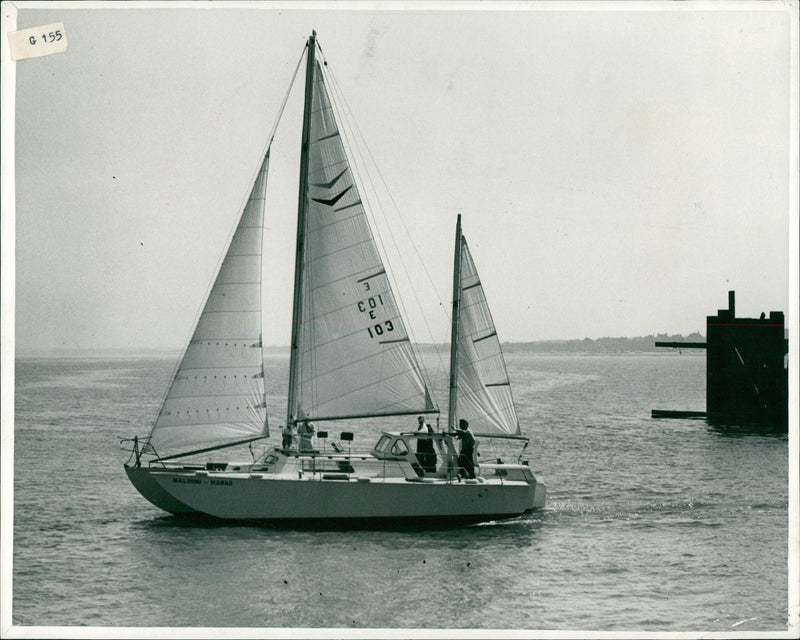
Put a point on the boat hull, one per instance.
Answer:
(341, 501)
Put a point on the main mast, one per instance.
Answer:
(451, 411)
(297, 313)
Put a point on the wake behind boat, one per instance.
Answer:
(351, 358)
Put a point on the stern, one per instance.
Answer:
(142, 479)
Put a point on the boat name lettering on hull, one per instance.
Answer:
(215, 481)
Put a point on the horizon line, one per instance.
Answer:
(170, 351)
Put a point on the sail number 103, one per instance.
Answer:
(380, 328)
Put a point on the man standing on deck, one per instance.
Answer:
(426, 454)
(288, 437)
(305, 432)
(465, 459)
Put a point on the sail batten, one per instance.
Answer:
(349, 206)
(373, 275)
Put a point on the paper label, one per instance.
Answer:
(38, 41)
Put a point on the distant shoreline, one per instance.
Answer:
(643, 344)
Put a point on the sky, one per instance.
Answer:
(618, 168)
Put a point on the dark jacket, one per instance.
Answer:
(467, 442)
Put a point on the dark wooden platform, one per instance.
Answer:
(662, 413)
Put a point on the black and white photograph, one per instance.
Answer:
(400, 320)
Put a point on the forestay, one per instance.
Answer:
(484, 390)
(354, 357)
(217, 394)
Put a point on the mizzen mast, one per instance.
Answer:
(453, 400)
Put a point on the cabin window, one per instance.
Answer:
(399, 448)
(382, 443)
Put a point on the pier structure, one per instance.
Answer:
(746, 373)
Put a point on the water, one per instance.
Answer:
(651, 525)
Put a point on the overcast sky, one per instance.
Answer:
(618, 171)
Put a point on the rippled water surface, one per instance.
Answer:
(653, 525)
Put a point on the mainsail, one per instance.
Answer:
(217, 395)
(483, 388)
(353, 355)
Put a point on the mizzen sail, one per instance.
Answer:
(484, 390)
(217, 394)
(353, 355)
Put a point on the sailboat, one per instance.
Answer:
(350, 358)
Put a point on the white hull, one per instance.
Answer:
(372, 493)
